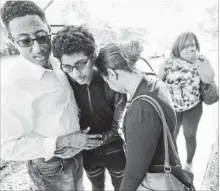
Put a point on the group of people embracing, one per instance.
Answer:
(63, 101)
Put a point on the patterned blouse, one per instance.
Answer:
(183, 82)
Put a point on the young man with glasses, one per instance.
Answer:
(39, 115)
(100, 106)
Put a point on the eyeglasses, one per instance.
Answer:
(78, 65)
(30, 41)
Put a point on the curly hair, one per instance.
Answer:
(14, 9)
(73, 39)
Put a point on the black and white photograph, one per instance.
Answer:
(104, 95)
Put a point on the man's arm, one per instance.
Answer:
(27, 148)
(119, 104)
(18, 142)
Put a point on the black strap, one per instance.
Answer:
(148, 65)
(166, 131)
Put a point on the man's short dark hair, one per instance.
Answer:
(73, 39)
(14, 9)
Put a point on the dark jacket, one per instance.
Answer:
(143, 132)
(100, 107)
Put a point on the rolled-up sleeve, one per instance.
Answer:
(206, 71)
(18, 141)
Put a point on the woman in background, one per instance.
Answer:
(182, 73)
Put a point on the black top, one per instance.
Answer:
(143, 132)
(100, 107)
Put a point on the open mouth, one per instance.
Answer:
(40, 57)
(81, 79)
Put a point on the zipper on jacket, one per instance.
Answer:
(90, 103)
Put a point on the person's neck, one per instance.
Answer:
(49, 65)
(132, 82)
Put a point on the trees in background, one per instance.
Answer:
(92, 14)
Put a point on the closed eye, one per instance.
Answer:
(66, 66)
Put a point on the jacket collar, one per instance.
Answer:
(96, 77)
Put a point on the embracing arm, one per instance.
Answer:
(119, 103)
(143, 129)
(27, 148)
(18, 141)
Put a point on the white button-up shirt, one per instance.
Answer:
(37, 106)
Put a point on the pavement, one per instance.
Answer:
(206, 136)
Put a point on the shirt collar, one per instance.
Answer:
(34, 70)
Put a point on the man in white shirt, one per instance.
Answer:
(39, 115)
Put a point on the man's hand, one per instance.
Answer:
(80, 140)
(66, 152)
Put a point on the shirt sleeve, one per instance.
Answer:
(18, 140)
(205, 71)
(143, 129)
(119, 101)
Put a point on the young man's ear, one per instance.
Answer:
(94, 57)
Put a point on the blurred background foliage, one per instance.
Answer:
(154, 23)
